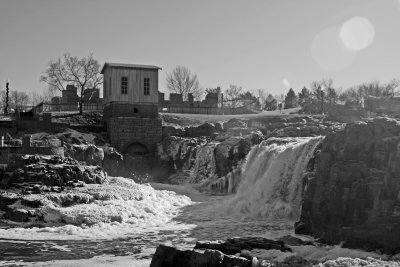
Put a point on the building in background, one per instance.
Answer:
(69, 100)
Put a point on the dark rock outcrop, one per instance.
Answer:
(166, 256)
(232, 252)
(90, 154)
(294, 126)
(353, 193)
(30, 170)
(205, 129)
(215, 159)
(113, 162)
(195, 160)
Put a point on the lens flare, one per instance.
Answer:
(286, 83)
(357, 33)
(328, 51)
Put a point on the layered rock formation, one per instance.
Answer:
(352, 193)
(33, 170)
(304, 126)
(201, 159)
(241, 252)
(214, 160)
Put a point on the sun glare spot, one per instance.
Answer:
(328, 51)
(357, 33)
(286, 83)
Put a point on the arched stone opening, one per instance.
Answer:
(136, 149)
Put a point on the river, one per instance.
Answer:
(267, 204)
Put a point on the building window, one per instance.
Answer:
(124, 85)
(109, 91)
(146, 86)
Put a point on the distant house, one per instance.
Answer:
(212, 100)
(69, 100)
(70, 95)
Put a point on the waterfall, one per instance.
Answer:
(227, 184)
(271, 179)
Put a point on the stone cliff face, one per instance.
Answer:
(212, 154)
(352, 191)
(196, 160)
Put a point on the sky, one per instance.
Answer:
(260, 44)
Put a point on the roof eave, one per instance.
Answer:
(126, 67)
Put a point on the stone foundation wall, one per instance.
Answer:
(137, 110)
(124, 131)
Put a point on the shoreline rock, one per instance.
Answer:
(232, 252)
(351, 194)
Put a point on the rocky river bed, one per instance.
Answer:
(254, 184)
(122, 244)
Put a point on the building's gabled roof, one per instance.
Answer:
(128, 66)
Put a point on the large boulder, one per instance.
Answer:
(176, 155)
(90, 154)
(113, 162)
(234, 123)
(206, 129)
(28, 170)
(352, 193)
(229, 152)
(244, 251)
(166, 256)
(196, 160)
(297, 126)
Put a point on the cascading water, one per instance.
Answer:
(271, 179)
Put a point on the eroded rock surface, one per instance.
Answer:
(33, 171)
(352, 194)
(242, 252)
(214, 160)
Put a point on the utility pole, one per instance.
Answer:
(7, 93)
(322, 100)
(222, 102)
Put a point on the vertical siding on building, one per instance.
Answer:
(135, 85)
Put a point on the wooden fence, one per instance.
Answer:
(206, 110)
(72, 107)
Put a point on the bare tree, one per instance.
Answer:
(83, 73)
(216, 90)
(40, 97)
(324, 89)
(18, 100)
(391, 87)
(232, 96)
(182, 81)
(374, 88)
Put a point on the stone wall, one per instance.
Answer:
(28, 147)
(130, 110)
(377, 104)
(124, 131)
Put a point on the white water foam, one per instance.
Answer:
(122, 208)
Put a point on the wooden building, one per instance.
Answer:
(130, 83)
